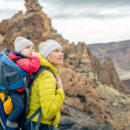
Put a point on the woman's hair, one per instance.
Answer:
(40, 46)
(49, 58)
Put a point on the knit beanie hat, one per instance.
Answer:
(21, 42)
(48, 46)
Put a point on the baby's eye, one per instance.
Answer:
(56, 50)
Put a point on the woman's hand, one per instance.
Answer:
(59, 82)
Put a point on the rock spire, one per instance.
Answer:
(32, 5)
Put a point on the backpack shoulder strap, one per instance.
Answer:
(16, 60)
(35, 75)
(33, 115)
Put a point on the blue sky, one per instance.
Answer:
(90, 21)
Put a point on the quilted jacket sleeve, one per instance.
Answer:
(51, 99)
(29, 65)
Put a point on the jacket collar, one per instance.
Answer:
(45, 62)
(18, 54)
(14, 55)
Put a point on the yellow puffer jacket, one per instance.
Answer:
(44, 95)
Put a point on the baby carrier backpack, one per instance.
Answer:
(13, 77)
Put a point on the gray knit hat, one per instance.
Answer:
(21, 42)
(48, 46)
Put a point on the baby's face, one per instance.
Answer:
(28, 51)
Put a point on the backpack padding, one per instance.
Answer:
(3, 118)
(41, 69)
(5, 59)
(11, 75)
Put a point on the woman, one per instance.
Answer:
(47, 90)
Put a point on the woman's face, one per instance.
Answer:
(56, 57)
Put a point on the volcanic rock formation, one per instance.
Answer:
(82, 72)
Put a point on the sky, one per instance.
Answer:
(90, 21)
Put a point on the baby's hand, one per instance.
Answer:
(34, 54)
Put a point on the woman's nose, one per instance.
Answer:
(61, 53)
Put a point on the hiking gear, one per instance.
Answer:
(48, 46)
(7, 62)
(7, 105)
(18, 106)
(22, 118)
(38, 111)
(11, 78)
(32, 124)
(3, 118)
(28, 64)
(45, 94)
(21, 42)
(12, 124)
(11, 75)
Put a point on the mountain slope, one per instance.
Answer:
(81, 73)
(119, 52)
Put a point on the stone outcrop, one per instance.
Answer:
(35, 26)
(108, 75)
(117, 51)
(81, 94)
(84, 62)
(127, 83)
(32, 5)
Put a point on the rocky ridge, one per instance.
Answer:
(119, 52)
(85, 105)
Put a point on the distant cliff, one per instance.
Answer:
(119, 52)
